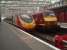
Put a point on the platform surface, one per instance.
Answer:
(13, 38)
(9, 40)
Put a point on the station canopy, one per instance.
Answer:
(19, 7)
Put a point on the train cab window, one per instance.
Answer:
(27, 18)
(52, 15)
(49, 14)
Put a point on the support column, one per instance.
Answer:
(0, 19)
(0, 14)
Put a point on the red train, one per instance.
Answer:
(45, 20)
(38, 20)
(61, 39)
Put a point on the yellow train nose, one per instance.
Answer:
(50, 18)
(28, 26)
(50, 21)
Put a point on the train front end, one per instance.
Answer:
(50, 20)
(46, 21)
(25, 22)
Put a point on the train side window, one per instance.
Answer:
(27, 18)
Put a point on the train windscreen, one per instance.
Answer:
(26, 18)
(51, 14)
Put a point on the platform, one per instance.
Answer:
(9, 40)
(12, 38)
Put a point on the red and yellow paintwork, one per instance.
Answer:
(38, 20)
(25, 25)
(50, 21)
